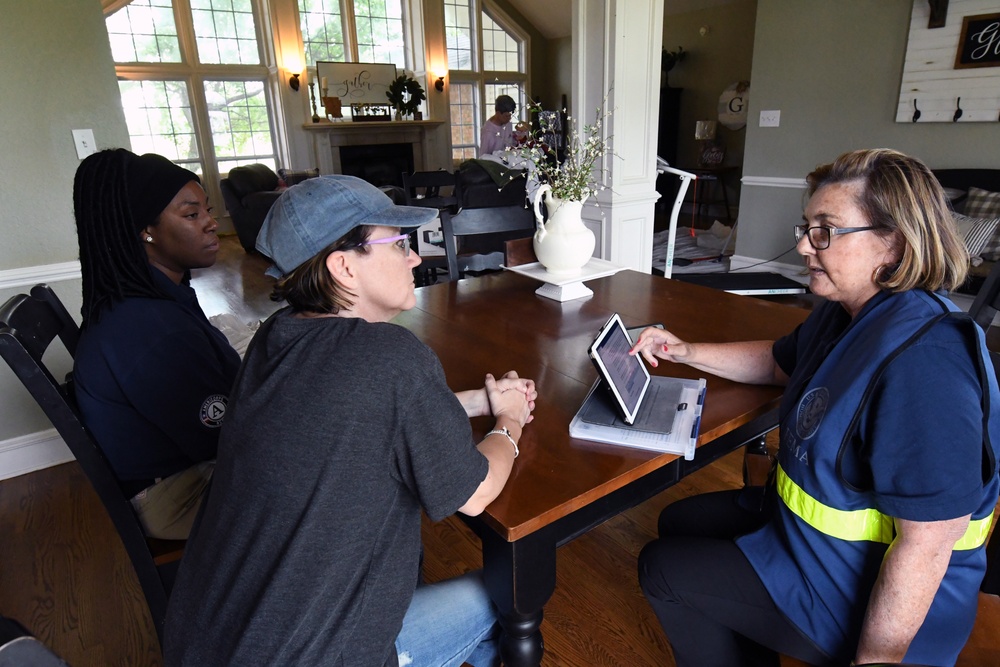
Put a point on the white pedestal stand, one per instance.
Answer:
(560, 288)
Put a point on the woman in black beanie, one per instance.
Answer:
(152, 374)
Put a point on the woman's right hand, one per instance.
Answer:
(511, 403)
(655, 343)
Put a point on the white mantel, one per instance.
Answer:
(329, 136)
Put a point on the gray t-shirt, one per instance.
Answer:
(338, 433)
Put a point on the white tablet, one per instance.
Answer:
(625, 375)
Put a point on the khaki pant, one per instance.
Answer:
(168, 508)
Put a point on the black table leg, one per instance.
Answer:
(520, 577)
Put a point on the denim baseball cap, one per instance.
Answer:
(313, 214)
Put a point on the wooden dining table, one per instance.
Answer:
(561, 486)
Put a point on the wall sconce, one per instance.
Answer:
(293, 82)
(704, 30)
(439, 84)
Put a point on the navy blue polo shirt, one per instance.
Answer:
(153, 378)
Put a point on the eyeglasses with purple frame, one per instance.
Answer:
(405, 238)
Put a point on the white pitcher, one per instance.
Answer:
(564, 244)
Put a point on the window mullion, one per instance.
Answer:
(186, 39)
(350, 30)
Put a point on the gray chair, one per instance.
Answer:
(987, 301)
(29, 323)
(510, 221)
(19, 648)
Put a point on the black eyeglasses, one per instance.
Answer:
(819, 236)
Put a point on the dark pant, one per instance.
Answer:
(710, 602)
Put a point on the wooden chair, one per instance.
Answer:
(987, 300)
(430, 189)
(512, 220)
(28, 325)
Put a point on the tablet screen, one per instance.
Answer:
(626, 375)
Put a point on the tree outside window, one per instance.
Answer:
(202, 101)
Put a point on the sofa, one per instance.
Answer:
(975, 198)
(250, 191)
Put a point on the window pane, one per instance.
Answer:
(458, 34)
(144, 31)
(225, 32)
(158, 114)
(379, 25)
(322, 30)
(501, 52)
(497, 88)
(241, 128)
(463, 121)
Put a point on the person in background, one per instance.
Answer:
(869, 543)
(341, 430)
(497, 133)
(152, 376)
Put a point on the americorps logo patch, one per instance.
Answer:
(213, 410)
(812, 407)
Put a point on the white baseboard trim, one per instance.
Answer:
(45, 273)
(35, 451)
(774, 182)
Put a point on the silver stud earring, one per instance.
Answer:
(149, 239)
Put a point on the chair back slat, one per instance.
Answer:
(472, 221)
(425, 188)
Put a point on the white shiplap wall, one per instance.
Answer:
(929, 74)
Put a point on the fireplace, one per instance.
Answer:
(413, 145)
(379, 164)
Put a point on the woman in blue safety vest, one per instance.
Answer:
(868, 545)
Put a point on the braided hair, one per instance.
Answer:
(115, 194)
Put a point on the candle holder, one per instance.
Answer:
(312, 99)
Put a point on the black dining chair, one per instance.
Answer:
(29, 323)
(511, 221)
(430, 189)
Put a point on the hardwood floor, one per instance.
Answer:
(65, 576)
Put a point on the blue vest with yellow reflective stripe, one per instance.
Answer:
(821, 554)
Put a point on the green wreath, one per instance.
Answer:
(405, 94)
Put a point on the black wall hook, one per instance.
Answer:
(916, 111)
(958, 111)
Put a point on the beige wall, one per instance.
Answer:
(57, 76)
(720, 58)
(833, 70)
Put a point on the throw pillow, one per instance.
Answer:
(980, 235)
(982, 204)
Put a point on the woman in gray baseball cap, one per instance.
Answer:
(341, 430)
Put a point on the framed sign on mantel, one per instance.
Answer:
(355, 83)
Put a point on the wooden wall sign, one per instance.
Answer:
(979, 45)
(951, 74)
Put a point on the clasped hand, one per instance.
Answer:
(511, 396)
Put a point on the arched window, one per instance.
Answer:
(365, 31)
(487, 57)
